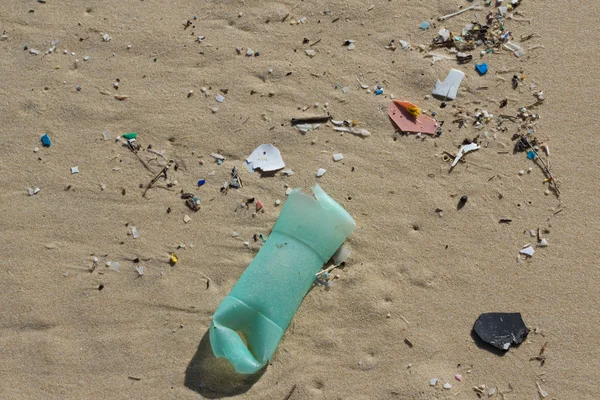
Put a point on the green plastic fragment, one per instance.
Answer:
(249, 323)
(131, 135)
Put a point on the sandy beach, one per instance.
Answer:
(421, 271)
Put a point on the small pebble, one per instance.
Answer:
(529, 170)
(186, 218)
(36, 149)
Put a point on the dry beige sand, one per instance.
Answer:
(62, 338)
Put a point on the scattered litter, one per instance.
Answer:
(46, 140)
(113, 265)
(140, 270)
(134, 232)
(527, 250)
(481, 69)
(320, 119)
(173, 259)
(265, 157)
(458, 377)
(201, 182)
(448, 89)
(287, 172)
(259, 205)
(341, 254)
(106, 135)
(408, 118)
(219, 97)
(464, 149)
(321, 172)
(130, 135)
(304, 128)
(186, 218)
(277, 202)
(310, 52)
(378, 91)
(447, 386)
(541, 391)
(433, 381)
(105, 37)
(542, 243)
(515, 48)
(424, 25)
(475, 6)
(355, 131)
(36, 149)
(74, 170)
(338, 157)
(501, 329)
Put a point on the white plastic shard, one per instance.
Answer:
(528, 251)
(341, 254)
(464, 150)
(448, 89)
(265, 157)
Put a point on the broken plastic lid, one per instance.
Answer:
(501, 329)
(406, 122)
(448, 89)
(265, 157)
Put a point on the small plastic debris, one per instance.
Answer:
(134, 232)
(514, 47)
(186, 218)
(355, 131)
(140, 270)
(542, 243)
(321, 172)
(424, 25)
(433, 381)
(531, 155)
(311, 53)
(338, 157)
(219, 97)
(74, 170)
(259, 205)
(287, 172)
(528, 251)
(541, 391)
(217, 156)
(464, 149)
(341, 254)
(102, 186)
(106, 135)
(521, 172)
(501, 330)
(448, 89)
(408, 118)
(173, 259)
(131, 135)
(481, 69)
(114, 266)
(46, 140)
(277, 202)
(105, 37)
(201, 182)
(378, 91)
(304, 128)
(265, 157)
(458, 377)
(447, 386)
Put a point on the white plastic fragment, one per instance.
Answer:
(265, 157)
(341, 254)
(447, 385)
(433, 381)
(217, 156)
(543, 243)
(30, 191)
(514, 47)
(307, 127)
(186, 218)
(527, 250)
(321, 172)
(235, 234)
(36, 190)
(134, 232)
(492, 392)
(74, 170)
(105, 37)
(288, 172)
(106, 135)
(113, 265)
(351, 46)
(355, 131)
(277, 202)
(311, 53)
(219, 97)
(542, 392)
(338, 157)
(36, 149)
(444, 34)
(464, 149)
(405, 45)
(288, 191)
(34, 52)
(140, 270)
(449, 88)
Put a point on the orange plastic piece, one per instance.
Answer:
(408, 118)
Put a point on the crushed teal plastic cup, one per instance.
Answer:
(250, 322)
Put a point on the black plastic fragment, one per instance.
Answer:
(501, 330)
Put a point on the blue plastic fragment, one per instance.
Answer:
(481, 69)
(46, 140)
(424, 25)
(378, 92)
(531, 155)
(219, 161)
(201, 182)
